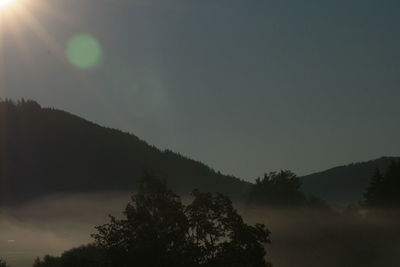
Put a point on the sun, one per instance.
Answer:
(7, 3)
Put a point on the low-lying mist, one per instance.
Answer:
(309, 237)
(300, 237)
(54, 224)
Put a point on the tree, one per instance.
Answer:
(384, 190)
(277, 189)
(85, 256)
(374, 190)
(155, 224)
(221, 237)
(158, 230)
(48, 261)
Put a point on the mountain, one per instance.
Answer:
(45, 151)
(344, 185)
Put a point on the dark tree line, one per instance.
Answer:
(67, 154)
(159, 230)
(384, 189)
(281, 189)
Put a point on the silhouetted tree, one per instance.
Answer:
(220, 236)
(384, 190)
(48, 261)
(88, 256)
(158, 230)
(85, 256)
(153, 232)
(375, 189)
(277, 189)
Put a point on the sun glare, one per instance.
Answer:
(6, 3)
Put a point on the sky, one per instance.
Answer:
(246, 87)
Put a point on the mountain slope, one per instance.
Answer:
(45, 151)
(344, 185)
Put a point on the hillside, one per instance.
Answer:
(344, 185)
(46, 151)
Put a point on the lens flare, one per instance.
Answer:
(6, 3)
(84, 51)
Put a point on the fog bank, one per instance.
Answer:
(53, 224)
(300, 237)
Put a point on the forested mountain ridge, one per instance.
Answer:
(46, 151)
(346, 184)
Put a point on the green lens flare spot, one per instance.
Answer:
(135, 87)
(83, 51)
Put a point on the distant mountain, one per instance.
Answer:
(45, 151)
(344, 185)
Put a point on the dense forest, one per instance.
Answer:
(47, 151)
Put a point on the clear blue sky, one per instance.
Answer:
(243, 86)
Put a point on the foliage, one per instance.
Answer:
(85, 256)
(153, 231)
(47, 262)
(67, 154)
(383, 190)
(277, 189)
(159, 230)
(221, 237)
